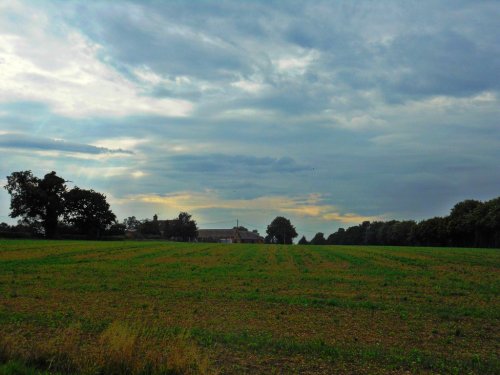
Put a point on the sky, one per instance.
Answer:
(326, 112)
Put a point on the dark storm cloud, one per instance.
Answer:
(214, 163)
(441, 64)
(22, 141)
(157, 36)
(404, 50)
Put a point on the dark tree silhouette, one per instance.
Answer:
(116, 229)
(131, 223)
(303, 241)
(462, 223)
(319, 239)
(432, 232)
(37, 200)
(280, 231)
(88, 211)
(150, 227)
(185, 227)
(400, 233)
(487, 218)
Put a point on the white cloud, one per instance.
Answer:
(147, 75)
(65, 71)
(486, 97)
(100, 172)
(123, 143)
(359, 121)
(239, 113)
(249, 86)
(138, 174)
(150, 77)
(296, 64)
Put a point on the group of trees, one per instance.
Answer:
(47, 207)
(182, 228)
(471, 223)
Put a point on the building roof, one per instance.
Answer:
(246, 235)
(216, 233)
(228, 233)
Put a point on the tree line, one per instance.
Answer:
(182, 228)
(47, 208)
(471, 223)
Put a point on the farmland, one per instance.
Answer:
(90, 307)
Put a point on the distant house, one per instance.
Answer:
(249, 237)
(228, 236)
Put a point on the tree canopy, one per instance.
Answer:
(43, 202)
(303, 241)
(470, 223)
(181, 228)
(280, 231)
(185, 227)
(318, 239)
(132, 222)
(37, 200)
(88, 211)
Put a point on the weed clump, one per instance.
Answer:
(119, 349)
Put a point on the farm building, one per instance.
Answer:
(228, 236)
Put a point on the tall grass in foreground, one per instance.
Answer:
(119, 349)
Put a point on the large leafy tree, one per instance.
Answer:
(487, 217)
(463, 222)
(150, 227)
(318, 239)
(37, 201)
(89, 211)
(303, 241)
(182, 228)
(280, 231)
(400, 233)
(432, 232)
(185, 227)
(131, 222)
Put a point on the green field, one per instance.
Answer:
(160, 307)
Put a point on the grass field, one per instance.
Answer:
(159, 307)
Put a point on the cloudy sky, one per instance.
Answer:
(328, 113)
